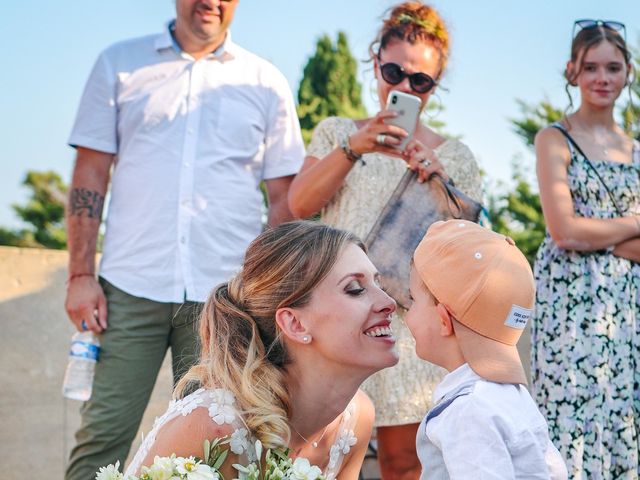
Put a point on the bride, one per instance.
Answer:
(285, 345)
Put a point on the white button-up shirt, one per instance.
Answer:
(483, 430)
(193, 140)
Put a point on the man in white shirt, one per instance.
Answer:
(191, 124)
(473, 292)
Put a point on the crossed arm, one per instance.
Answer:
(569, 231)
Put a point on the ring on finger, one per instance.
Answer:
(426, 162)
(381, 139)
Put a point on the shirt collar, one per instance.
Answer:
(167, 40)
(451, 381)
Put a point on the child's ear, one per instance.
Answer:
(446, 320)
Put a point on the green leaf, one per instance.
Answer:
(240, 468)
(207, 451)
(220, 459)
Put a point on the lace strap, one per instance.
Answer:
(344, 440)
(221, 409)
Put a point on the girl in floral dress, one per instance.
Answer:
(285, 345)
(586, 330)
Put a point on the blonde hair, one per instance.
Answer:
(242, 348)
(413, 22)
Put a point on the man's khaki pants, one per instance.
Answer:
(132, 349)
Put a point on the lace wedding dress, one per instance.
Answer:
(222, 410)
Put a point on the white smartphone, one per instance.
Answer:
(408, 109)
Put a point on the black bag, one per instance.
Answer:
(404, 220)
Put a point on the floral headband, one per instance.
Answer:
(429, 25)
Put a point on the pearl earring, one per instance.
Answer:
(306, 338)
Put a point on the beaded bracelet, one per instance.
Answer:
(352, 156)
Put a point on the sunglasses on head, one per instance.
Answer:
(393, 74)
(610, 24)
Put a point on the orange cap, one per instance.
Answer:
(486, 283)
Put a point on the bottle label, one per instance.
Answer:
(84, 350)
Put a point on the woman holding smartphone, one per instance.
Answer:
(586, 329)
(350, 172)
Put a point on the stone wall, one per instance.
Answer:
(37, 423)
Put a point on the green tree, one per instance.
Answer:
(518, 214)
(43, 213)
(534, 118)
(329, 86)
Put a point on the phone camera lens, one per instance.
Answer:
(394, 99)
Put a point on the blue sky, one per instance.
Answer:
(501, 50)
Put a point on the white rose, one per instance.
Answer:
(303, 470)
(162, 468)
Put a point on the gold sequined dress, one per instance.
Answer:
(401, 394)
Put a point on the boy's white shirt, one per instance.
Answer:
(493, 432)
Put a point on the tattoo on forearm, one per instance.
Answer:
(85, 203)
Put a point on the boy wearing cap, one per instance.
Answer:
(473, 292)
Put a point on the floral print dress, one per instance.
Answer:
(222, 409)
(586, 333)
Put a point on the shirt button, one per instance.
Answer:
(183, 240)
(190, 131)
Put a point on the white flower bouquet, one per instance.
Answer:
(164, 468)
(277, 466)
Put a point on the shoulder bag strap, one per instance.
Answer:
(577, 147)
(454, 204)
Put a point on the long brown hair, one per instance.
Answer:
(242, 349)
(586, 39)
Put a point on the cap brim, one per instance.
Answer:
(489, 358)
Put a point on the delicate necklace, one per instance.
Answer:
(601, 145)
(604, 149)
(314, 444)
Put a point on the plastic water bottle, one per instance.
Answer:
(83, 355)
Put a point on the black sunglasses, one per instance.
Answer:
(586, 23)
(393, 74)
